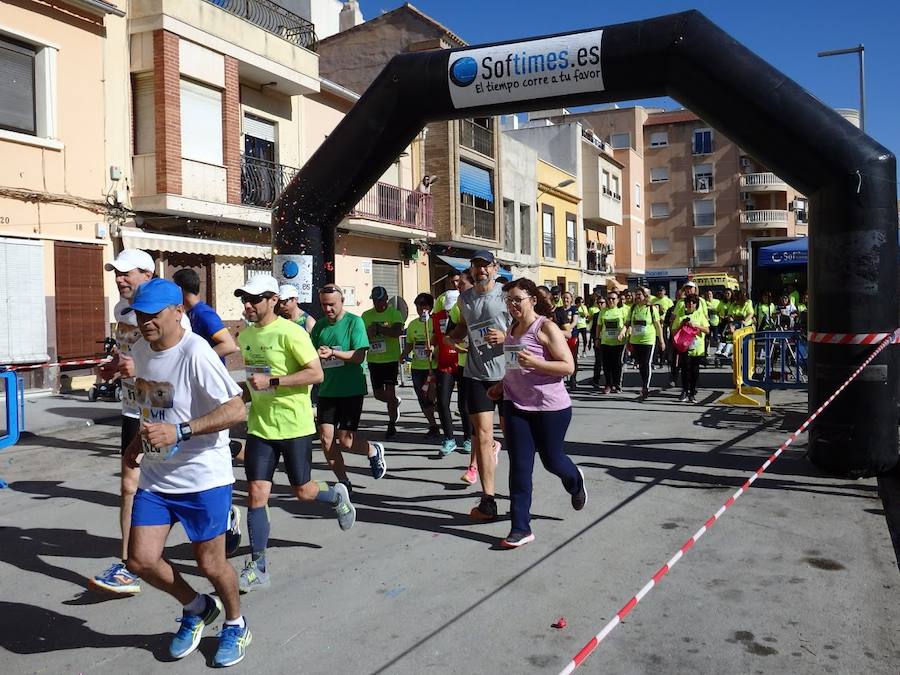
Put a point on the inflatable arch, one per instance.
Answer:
(849, 178)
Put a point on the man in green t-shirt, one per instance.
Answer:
(282, 366)
(384, 326)
(342, 343)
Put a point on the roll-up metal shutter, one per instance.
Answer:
(23, 334)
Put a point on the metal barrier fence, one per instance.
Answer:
(14, 386)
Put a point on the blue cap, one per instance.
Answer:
(487, 256)
(154, 296)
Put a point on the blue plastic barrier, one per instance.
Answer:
(780, 361)
(15, 411)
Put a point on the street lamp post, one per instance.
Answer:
(859, 49)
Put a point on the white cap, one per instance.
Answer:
(450, 298)
(286, 291)
(262, 283)
(692, 284)
(129, 259)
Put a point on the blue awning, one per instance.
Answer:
(475, 181)
(785, 254)
(462, 264)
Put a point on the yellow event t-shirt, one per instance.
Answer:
(278, 349)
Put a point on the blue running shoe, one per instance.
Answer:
(466, 448)
(377, 462)
(233, 533)
(117, 579)
(447, 447)
(188, 636)
(233, 641)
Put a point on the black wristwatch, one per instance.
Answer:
(274, 381)
(186, 432)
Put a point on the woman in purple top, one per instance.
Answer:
(536, 406)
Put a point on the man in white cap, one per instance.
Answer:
(282, 365)
(289, 307)
(132, 267)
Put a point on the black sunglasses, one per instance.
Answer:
(255, 299)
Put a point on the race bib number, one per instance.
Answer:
(154, 454)
(478, 333)
(333, 361)
(612, 329)
(420, 352)
(639, 328)
(511, 356)
(130, 406)
(377, 347)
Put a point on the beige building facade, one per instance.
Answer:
(60, 179)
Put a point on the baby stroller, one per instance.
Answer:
(106, 390)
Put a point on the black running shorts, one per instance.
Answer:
(343, 413)
(131, 427)
(261, 458)
(383, 374)
(476, 395)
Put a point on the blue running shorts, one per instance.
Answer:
(204, 515)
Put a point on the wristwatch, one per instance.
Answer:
(184, 429)
(274, 381)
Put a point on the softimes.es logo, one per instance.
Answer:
(463, 71)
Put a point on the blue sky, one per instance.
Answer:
(787, 33)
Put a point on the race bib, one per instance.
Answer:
(511, 356)
(333, 361)
(420, 352)
(377, 347)
(639, 328)
(443, 324)
(264, 370)
(612, 329)
(154, 454)
(130, 406)
(478, 333)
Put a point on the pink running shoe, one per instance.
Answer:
(470, 476)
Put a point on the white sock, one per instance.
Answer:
(236, 622)
(197, 605)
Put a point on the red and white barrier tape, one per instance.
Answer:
(849, 338)
(622, 613)
(74, 362)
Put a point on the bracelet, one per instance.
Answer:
(178, 436)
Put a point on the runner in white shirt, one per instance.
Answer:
(187, 402)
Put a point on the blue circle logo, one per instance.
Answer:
(290, 269)
(463, 71)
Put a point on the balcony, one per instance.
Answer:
(595, 140)
(274, 19)
(398, 206)
(262, 181)
(764, 218)
(762, 182)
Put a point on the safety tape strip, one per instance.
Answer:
(622, 613)
(849, 338)
(74, 362)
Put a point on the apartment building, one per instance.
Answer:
(63, 141)
(592, 171)
(558, 203)
(464, 155)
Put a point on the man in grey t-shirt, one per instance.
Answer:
(484, 320)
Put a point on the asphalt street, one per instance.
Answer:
(799, 575)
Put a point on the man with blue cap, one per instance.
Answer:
(187, 403)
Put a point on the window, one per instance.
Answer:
(476, 201)
(639, 242)
(637, 195)
(17, 105)
(604, 184)
(615, 188)
(619, 141)
(477, 134)
(524, 229)
(23, 335)
(659, 245)
(659, 174)
(548, 235)
(573, 288)
(659, 139)
(703, 142)
(703, 177)
(800, 211)
(509, 225)
(201, 123)
(659, 210)
(571, 241)
(144, 114)
(387, 274)
(28, 83)
(705, 249)
(704, 213)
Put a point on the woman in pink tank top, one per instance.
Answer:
(536, 405)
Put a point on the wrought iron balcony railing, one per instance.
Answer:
(396, 205)
(262, 181)
(477, 137)
(273, 18)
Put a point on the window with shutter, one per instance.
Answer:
(201, 123)
(387, 274)
(144, 114)
(23, 335)
(80, 313)
(17, 104)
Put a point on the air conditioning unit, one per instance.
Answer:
(745, 162)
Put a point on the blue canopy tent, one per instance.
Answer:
(785, 254)
(462, 264)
